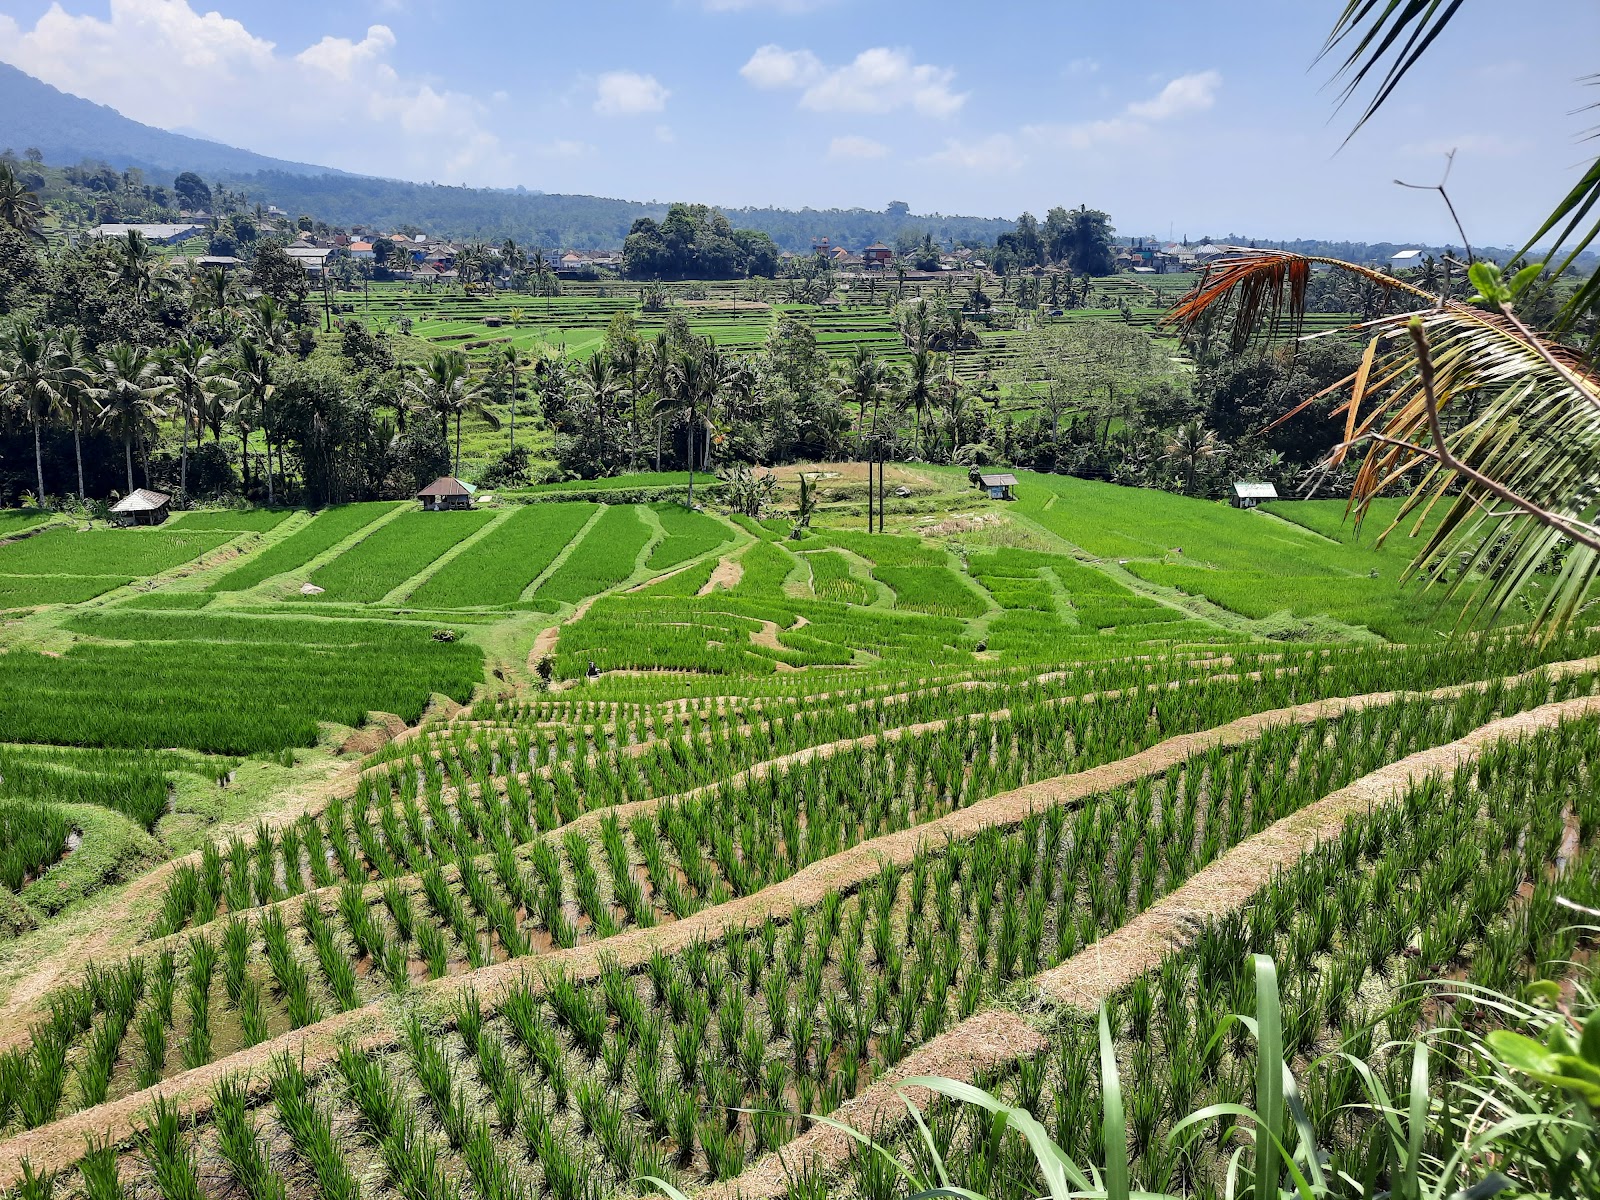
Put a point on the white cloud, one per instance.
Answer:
(1137, 121)
(628, 93)
(879, 80)
(1185, 94)
(1083, 66)
(665, 135)
(853, 146)
(775, 67)
(997, 152)
(339, 101)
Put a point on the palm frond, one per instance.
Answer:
(1474, 414)
(1388, 36)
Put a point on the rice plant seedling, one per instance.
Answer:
(241, 1147)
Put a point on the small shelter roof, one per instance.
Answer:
(1003, 480)
(141, 500)
(1255, 491)
(447, 485)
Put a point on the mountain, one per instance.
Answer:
(68, 129)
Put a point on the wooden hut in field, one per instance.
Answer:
(1248, 495)
(446, 492)
(141, 507)
(999, 485)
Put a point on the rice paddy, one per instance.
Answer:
(741, 822)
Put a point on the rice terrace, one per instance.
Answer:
(526, 696)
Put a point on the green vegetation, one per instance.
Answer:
(498, 568)
(688, 535)
(604, 558)
(393, 553)
(325, 531)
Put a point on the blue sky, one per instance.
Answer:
(1173, 115)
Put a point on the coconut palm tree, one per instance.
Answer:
(30, 378)
(692, 384)
(921, 382)
(445, 387)
(128, 386)
(506, 365)
(19, 207)
(134, 262)
(601, 384)
(1190, 446)
(77, 373)
(864, 380)
(252, 387)
(192, 371)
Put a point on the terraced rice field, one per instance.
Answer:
(871, 806)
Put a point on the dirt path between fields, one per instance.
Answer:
(1089, 978)
(1081, 981)
(728, 573)
(545, 643)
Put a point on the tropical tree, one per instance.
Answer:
(1191, 446)
(30, 378)
(77, 376)
(691, 389)
(445, 387)
(193, 372)
(921, 384)
(128, 387)
(601, 384)
(19, 207)
(133, 263)
(506, 367)
(864, 380)
(253, 387)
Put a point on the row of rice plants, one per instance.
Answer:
(604, 558)
(135, 783)
(499, 567)
(235, 520)
(128, 553)
(706, 851)
(326, 530)
(688, 535)
(223, 697)
(393, 553)
(1461, 880)
(683, 1068)
(831, 579)
(33, 837)
(936, 590)
(24, 591)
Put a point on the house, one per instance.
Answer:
(571, 261)
(312, 258)
(161, 235)
(877, 255)
(141, 507)
(226, 261)
(362, 250)
(1405, 260)
(446, 492)
(1248, 495)
(998, 486)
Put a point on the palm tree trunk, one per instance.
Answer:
(271, 499)
(183, 461)
(127, 458)
(38, 461)
(692, 415)
(77, 453)
(244, 457)
(456, 469)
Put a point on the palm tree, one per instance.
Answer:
(191, 369)
(507, 363)
(1191, 445)
(19, 207)
(445, 387)
(253, 388)
(692, 381)
(30, 376)
(267, 325)
(135, 261)
(920, 385)
(863, 380)
(600, 383)
(129, 385)
(77, 392)
(627, 357)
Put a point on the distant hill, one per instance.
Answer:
(69, 129)
(573, 222)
